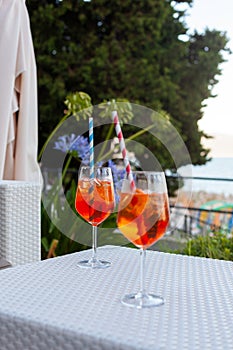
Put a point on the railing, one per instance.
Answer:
(191, 222)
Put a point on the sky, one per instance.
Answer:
(218, 115)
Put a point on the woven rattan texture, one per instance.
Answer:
(56, 305)
(20, 221)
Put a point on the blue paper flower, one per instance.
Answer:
(76, 144)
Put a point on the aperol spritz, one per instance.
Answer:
(143, 217)
(95, 202)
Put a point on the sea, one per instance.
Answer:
(215, 169)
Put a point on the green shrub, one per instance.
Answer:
(216, 246)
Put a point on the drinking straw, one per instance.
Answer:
(91, 148)
(123, 149)
(92, 171)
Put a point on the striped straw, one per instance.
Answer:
(92, 171)
(91, 148)
(123, 149)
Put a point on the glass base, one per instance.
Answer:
(141, 301)
(94, 264)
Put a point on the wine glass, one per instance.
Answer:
(143, 216)
(94, 201)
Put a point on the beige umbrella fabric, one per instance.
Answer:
(18, 95)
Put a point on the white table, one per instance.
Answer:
(54, 304)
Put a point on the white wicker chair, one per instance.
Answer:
(20, 222)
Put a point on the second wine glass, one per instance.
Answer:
(143, 218)
(95, 202)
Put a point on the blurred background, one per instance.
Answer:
(173, 57)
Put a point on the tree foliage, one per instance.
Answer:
(125, 49)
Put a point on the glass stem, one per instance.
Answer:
(94, 243)
(142, 291)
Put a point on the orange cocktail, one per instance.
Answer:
(143, 217)
(94, 200)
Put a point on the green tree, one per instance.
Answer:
(196, 80)
(125, 49)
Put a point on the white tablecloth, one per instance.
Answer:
(54, 304)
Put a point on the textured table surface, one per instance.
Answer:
(54, 304)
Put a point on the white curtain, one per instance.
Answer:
(18, 95)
